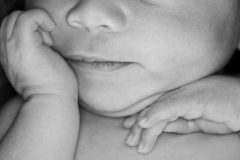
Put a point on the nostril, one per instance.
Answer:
(95, 17)
(105, 27)
(76, 24)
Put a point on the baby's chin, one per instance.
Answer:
(119, 109)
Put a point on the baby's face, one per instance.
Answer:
(127, 53)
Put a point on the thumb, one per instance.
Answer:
(183, 126)
(46, 38)
(31, 21)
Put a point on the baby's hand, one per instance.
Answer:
(210, 105)
(31, 66)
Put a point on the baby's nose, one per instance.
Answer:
(97, 15)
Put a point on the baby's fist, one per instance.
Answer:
(30, 64)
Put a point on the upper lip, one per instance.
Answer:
(84, 58)
(89, 59)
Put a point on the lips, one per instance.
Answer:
(93, 63)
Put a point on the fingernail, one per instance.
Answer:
(129, 138)
(140, 147)
(142, 121)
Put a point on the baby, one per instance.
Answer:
(152, 60)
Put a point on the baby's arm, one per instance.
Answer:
(46, 126)
(210, 105)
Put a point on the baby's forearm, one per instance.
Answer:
(45, 128)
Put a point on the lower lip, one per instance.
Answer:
(101, 65)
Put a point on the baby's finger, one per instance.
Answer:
(30, 21)
(10, 24)
(130, 121)
(211, 127)
(2, 43)
(47, 38)
(142, 114)
(182, 126)
(134, 136)
(2, 27)
(149, 137)
(160, 111)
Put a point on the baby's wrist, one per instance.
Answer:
(48, 91)
(51, 101)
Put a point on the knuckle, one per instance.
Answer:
(15, 13)
(30, 14)
(24, 17)
(166, 105)
(164, 109)
(175, 105)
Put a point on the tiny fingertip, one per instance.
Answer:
(142, 149)
(126, 126)
(142, 114)
(142, 121)
(129, 138)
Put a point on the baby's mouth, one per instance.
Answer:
(91, 63)
(103, 64)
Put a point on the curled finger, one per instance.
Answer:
(2, 27)
(149, 137)
(30, 21)
(158, 112)
(133, 137)
(182, 126)
(7, 33)
(130, 121)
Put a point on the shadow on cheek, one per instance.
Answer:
(233, 65)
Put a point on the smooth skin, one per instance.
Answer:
(47, 86)
(102, 138)
(104, 34)
(170, 43)
(210, 105)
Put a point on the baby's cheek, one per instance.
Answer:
(115, 98)
(105, 98)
